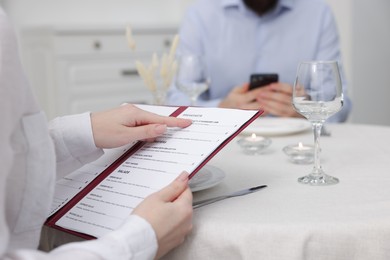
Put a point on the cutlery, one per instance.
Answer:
(201, 203)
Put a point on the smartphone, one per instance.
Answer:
(260, 80)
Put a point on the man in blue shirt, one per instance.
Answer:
(242, 37)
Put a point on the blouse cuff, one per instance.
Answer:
(75, 137)
(135, 239)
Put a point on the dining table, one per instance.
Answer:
(290, 220)
(287, 219)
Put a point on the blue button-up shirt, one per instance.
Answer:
(236, 42)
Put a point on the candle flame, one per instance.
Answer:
(300, 145)
(253, 135)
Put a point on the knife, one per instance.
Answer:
(201, 203)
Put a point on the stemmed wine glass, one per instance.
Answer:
(191, 76)
(317, 94)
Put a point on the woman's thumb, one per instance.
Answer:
(175, 188)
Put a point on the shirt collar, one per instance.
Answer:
(288, 4)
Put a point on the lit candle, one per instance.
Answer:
(300, 153)
(254, 144)
(254, 138)
(302, 147)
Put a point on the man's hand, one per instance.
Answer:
(241, 98)
(276, 99)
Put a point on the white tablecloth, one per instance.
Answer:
(289, 220)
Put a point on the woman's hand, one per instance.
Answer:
(127, 123)
(169, 211)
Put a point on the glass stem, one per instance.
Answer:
(317, 150)
(193, 100)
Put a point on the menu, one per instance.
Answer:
(146, 167)
(69, 186)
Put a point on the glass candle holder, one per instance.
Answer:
(254, 144)
(300, 153)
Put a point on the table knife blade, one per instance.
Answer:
(201, 203)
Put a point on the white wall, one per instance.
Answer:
(93, 12)
(370, 62)
(365, 37)
(363, 27)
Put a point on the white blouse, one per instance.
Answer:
(30, 154)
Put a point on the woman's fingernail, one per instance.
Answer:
(183, 176)
(160, 129)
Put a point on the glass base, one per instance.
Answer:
(318, 180)
(255, 151)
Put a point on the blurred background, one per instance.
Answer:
(77, 58)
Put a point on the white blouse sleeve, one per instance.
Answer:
(135, 239)
(73, 141)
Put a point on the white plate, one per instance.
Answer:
(273, 126)
(207, 177)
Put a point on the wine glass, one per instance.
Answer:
(317, 94)
(191, 76)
